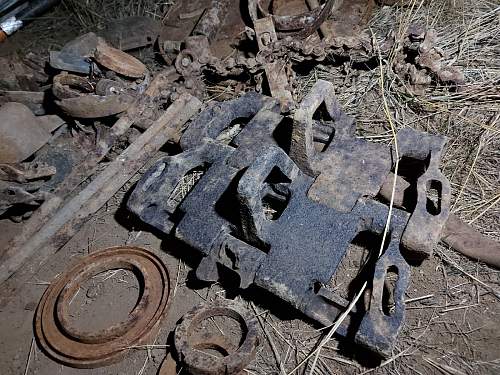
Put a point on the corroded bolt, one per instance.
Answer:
(265, 38)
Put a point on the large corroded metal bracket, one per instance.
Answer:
(347, 168)
(251, 193)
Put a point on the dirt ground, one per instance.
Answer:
(452, 305)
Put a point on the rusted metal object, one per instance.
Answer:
(471, 243)
(350, 168)
(301, 25)
(323, 195)
(75, 348)
(275, 70)
(132, 32)
(212, 19)
(252, 173)
(118, 61)
(110, 97)
(234, 359)
(455, 233)
(95, 106)
(20, 132)
(433, 192)
(25, 172)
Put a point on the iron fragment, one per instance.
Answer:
(235, 359)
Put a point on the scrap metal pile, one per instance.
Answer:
(322, 194)
(280, 189)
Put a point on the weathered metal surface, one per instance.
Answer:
(20, 133)
(132, 32)
(275, 70)
(95, 106)
(301, 25)
(225, 216)
(70, 63)
(15, 195)
(323, 196)
(468, 241)
(212, 19)
(75, 348)
(433, 192)
(118, 61)
(77, 99)
(25, 172)
(456, 233)
(235, 359)
(348, 168)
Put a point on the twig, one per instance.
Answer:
(269, 339)
(29, 356)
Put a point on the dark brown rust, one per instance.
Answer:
(77, 99)
(235, 359)
(300, 25)
(118, 61)
(471, 243)
(79, 349)
(96, 106)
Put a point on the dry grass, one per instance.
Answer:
(93, 14)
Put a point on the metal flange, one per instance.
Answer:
(72, 347)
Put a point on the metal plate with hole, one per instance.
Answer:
(70, 346)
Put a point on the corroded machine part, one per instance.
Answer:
(248, 192)
(235, 358)
(72, 347)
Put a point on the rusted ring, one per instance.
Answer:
(235, 360)
(71, 347)
(186, 62)
(64, 86)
